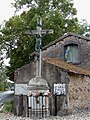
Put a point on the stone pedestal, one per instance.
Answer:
(37, 84)
(38, 98)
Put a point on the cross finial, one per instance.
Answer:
(38, 35)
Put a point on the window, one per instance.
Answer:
(71, 53)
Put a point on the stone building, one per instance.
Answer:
(66, 69)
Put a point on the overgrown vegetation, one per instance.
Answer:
(8, 106)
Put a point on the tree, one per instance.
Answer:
(59, 15)
(84, 28)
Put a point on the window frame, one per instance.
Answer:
(72, 44)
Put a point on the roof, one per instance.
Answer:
(67, 66)
(61, 38)
(65, 36)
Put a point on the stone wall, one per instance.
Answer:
(78, 85)
(20, 105)
(78, 92)
(25, 73)
(78, 88)
(49, 72)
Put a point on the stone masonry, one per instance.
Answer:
(76, 77)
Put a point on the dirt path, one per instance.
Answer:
(84, 115)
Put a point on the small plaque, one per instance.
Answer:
(59, 89)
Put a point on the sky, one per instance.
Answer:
(7, 11)
(82, 6)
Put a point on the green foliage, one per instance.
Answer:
(19, 45)
(1, 86)
(85, 28)
(8, 106)
(3, 78)
(59, 15)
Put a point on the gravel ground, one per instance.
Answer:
(81, 115)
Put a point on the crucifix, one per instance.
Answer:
(38, 35)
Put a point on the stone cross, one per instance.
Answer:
(38, 35)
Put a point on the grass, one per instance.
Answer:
(8, 106)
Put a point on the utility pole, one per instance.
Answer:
(38, 35)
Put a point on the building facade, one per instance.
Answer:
(66, 69)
